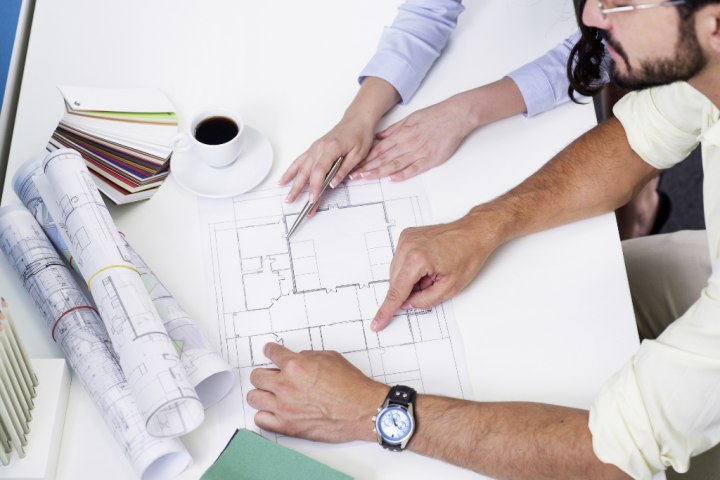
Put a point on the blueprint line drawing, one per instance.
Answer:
(321, 288)
(84, 340)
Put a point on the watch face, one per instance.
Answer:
(394, 424)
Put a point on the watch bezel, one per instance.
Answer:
(402, 441)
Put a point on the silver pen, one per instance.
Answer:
(309, 205)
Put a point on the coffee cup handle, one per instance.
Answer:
(180, 142)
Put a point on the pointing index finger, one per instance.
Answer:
(402, 282)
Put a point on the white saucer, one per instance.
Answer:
(244, 174)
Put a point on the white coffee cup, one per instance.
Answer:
(215, 137)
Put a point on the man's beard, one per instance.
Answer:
(686, 63)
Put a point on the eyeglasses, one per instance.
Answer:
(627, 8)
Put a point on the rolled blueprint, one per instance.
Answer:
(167, 401)
(207, 371)
(76, 327)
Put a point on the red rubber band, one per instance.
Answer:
(65, 313)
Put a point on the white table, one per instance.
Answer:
(547, 320)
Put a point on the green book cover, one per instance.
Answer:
(249, 456)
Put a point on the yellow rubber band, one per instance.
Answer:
(108, 268)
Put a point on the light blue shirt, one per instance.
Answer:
(420, 31)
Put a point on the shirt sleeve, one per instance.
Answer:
(413, 42)
(663, 124)
(661, 408)
(543, 82)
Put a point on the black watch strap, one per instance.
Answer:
(400, 395)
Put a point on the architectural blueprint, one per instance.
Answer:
(168, 403)
(321, 288)
(74, 324)
(208, 373)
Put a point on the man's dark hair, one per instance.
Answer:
(584, 68)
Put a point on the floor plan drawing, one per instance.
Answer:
(321, 288)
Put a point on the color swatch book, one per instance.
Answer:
(123, 134)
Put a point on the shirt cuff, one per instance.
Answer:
(659, 410)
(616, 417)
(394, 70)
(535, 88)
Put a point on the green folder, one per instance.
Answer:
(248, 456)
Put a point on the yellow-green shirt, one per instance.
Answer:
(663, 407)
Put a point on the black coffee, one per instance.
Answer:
(216, 130)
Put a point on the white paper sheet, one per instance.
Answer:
(321, 288)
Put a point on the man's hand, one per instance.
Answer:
(314, 395)
(419, 142)
(434, 263)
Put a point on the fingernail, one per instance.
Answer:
(373, 325)
(332, 185)
(312, 198)
(351, 176)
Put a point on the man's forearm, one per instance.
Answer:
(319, 395)
(595, 174)
(514, 440)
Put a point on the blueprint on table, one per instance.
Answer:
(321, 288)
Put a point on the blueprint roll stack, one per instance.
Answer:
(208, 372)
(74, 324)
(168, 403)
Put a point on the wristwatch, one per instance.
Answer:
(395, 422)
